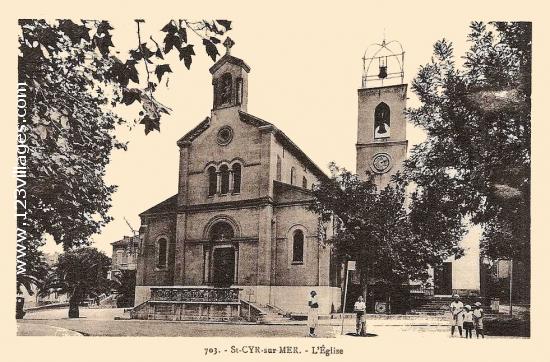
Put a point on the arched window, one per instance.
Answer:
(304, 182)
(239, 91)
(381, 120)
(221, 231)
(162, 245)
(236, 178)
(292, 176)
(224, 174)
(298, 247)
(225, 89)
(278, 168)
(212, 181)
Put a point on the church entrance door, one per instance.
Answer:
(223, 267)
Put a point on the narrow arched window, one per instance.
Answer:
(278, 168)
(239, 91)
(212, 181)
(224, 174)
(236, 178)
(304, 182)
(226, 88)
(382, 120)
(298, 247)
(162, 252)
(292, 176)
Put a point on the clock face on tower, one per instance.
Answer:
(381, 163)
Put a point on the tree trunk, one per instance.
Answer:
(73, 307)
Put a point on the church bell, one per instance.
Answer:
(383, 68)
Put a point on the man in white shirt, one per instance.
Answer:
(312, 315)
(360, 309)
(457, 309)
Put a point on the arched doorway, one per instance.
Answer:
(224, 255)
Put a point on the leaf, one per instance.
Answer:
(130, 95)
(74, 31)
(103, 43)
(150, 124)
(225, 23)
(169, 28)
(161, 69)
(215, 40)
(182, 33)
(186, 54)
(171, 41)
(131, 71)
(211, 49)
(104, 27)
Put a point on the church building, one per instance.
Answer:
(240, 216)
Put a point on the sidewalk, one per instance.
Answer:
(37, 329)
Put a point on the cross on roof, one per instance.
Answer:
(228, 43)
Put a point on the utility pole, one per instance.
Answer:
(350, 265)
(511, 271)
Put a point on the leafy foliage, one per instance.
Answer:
(124, 282)
(376, 229)
(80, 273)
(36, 270)
(75, 78)
(476, 159)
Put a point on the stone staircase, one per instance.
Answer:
(264, 314)
(440, 306)
(275, 315)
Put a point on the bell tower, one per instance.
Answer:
(381, 130)
(230, 80)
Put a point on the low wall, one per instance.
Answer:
(292, 299)
(188, 303)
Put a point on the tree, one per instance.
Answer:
(477, 119)
(377, 229)
(74, 79)
(124, 282)
(80, 273)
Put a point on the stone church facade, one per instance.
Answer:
(240, 215)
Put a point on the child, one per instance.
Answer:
(478, 320)
(468, 324)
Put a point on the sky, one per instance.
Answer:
(305, 72)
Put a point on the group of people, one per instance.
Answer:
(359, 308)
(467, 318)
(464, 317)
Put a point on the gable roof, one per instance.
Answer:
(286, 142)
(258, 122)
(195, 132)
(168, 205)
(231, 59)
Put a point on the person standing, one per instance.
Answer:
(360, 308)
(478, 320)
(313, 315)
(457, 309)
(468, 324)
